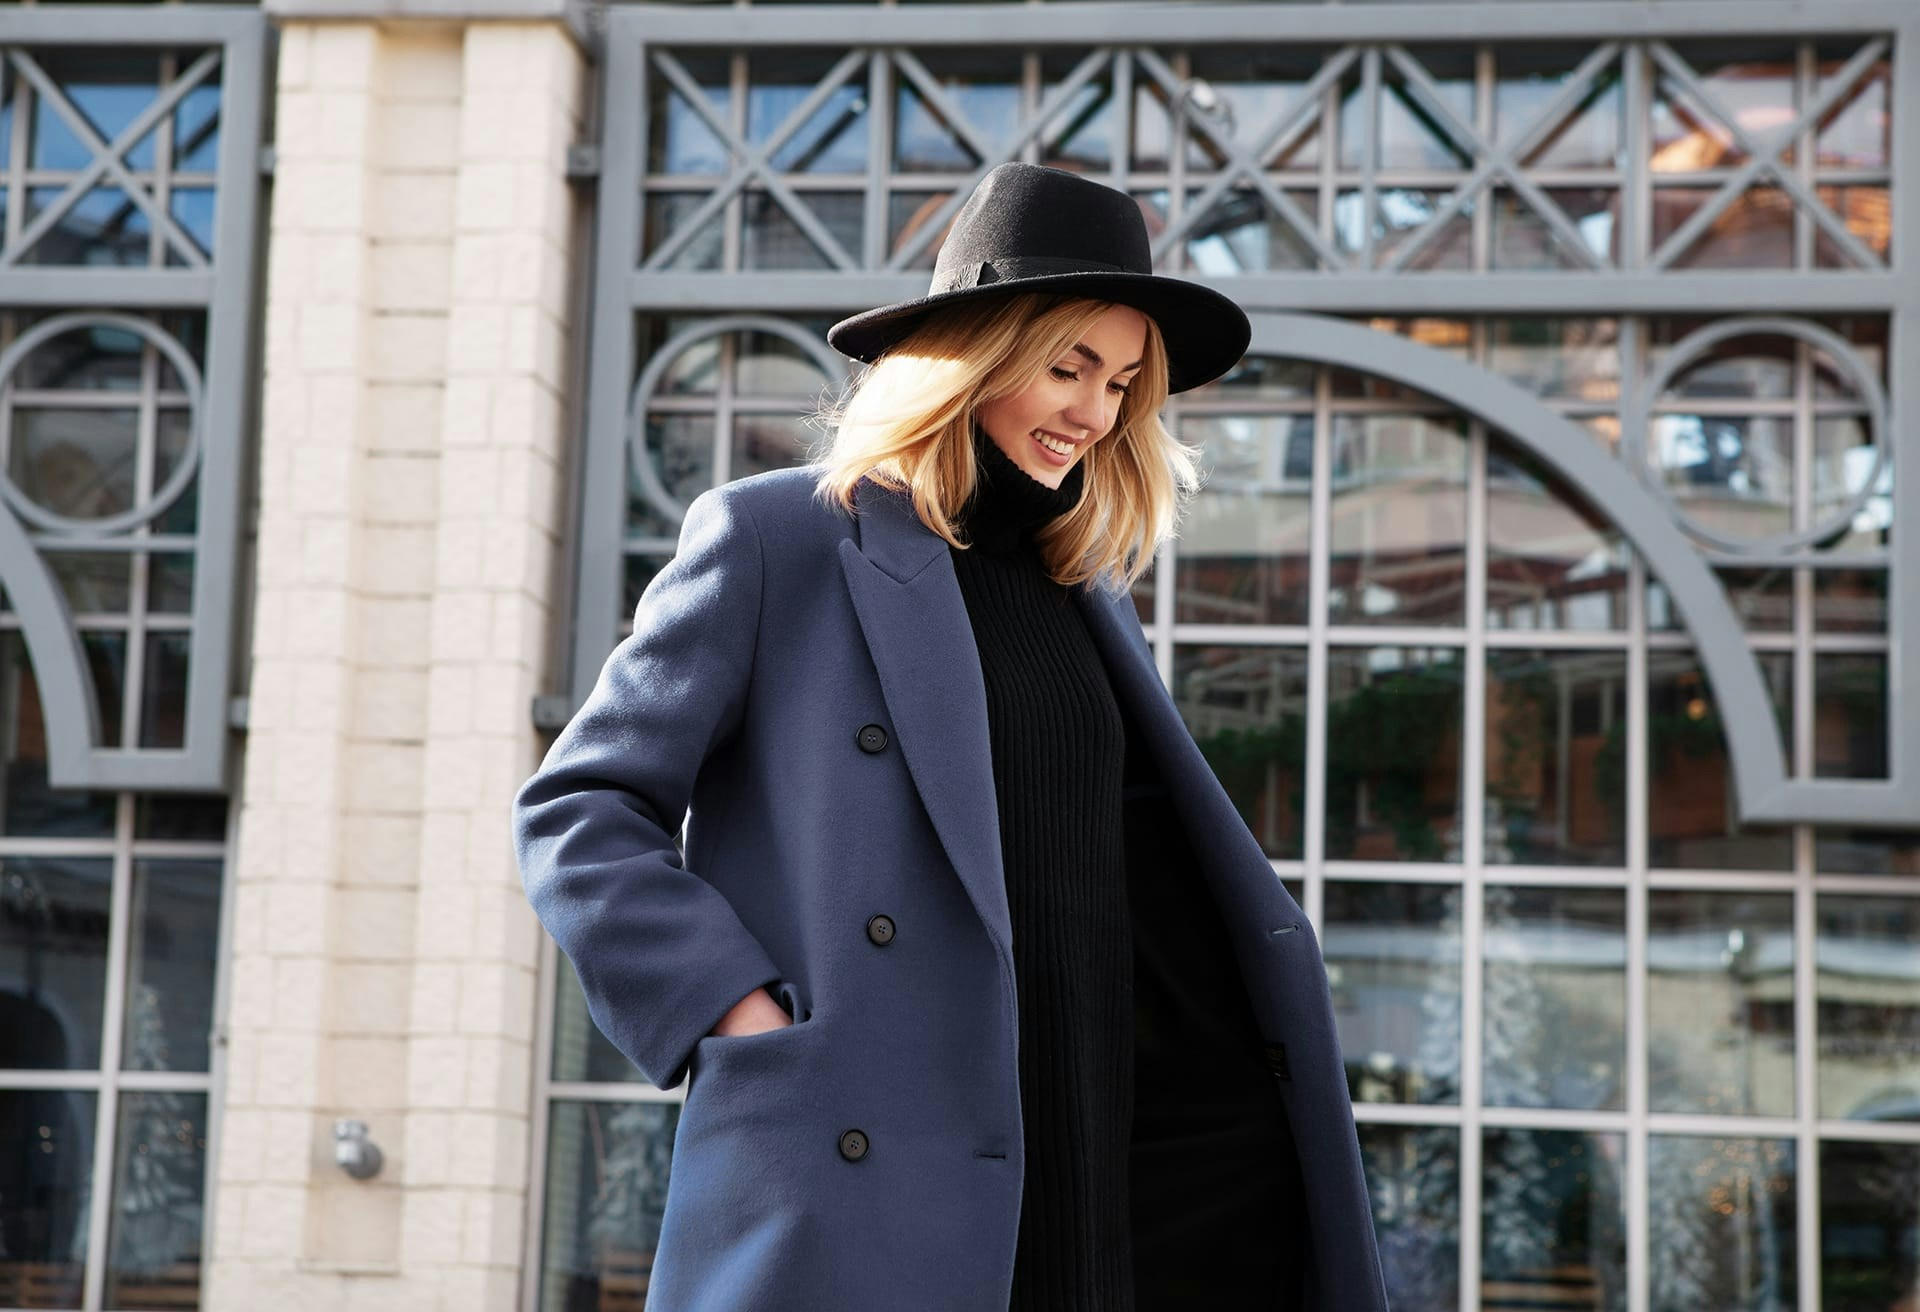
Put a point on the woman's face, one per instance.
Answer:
(1074, 401)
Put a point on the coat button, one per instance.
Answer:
(872, 738)
(853, 1145)
(880, 930)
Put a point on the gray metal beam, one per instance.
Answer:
(1358, 293)
(1182, 25)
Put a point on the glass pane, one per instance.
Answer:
(196, 128)
(767, 364)
(103, 228)
(160, 1171)
(1243, 546)
(46, 1180)
(607, 1170)
(681, 448)
(833, 138)
(1754, 85)
(1553, 1222)
(1844, 466)
(1242, 233)
(163, 706)
(1866, 851)
(766, 442)
(1393, 960)
(170, 583)
(665, 214)
(176, 929)
(1246, 707)
(1525, 238)
(1869, 1226)
(192, 210)
(1555, 997)
(1404, 211)
(1754, 232)
(1850, 717)
(1731, 475)
(682, 142)
(53, 961)
(1257, 84)
(639, 573)
(580, 1051)
(1261, 376)
(1762, 600)
(1850, 601)
(1411, 135)
(1527, 80)
(78, 463)
(1413, 1179)
(910, 211)
(1722, 1225)
(180, 816)
(1393, 754)
(106, 655)
(1552, 562)
(30, 808)
(1556, 758)
(1720, 1002)
(95, 582)
(771, 238)
(984, 89)
(1867, 212)
(1690, 815)
(1399, 520)
(1868, 990)
(1079, 137)
(1752, 367)
(1857, 132)
(110, 88)
(1142, 594)
(1574, 359)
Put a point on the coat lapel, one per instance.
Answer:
(915, 622)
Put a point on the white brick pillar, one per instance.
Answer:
(383, 955)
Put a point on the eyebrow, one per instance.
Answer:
(1093, 358)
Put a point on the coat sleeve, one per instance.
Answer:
(660, 954)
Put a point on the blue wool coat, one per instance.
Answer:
(782, 630)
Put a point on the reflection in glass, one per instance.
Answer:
(176, 927)
(766, 442)
(1242, 233)
(1868, 991)
(832, 139)
(664, 215)
(1850, 600)
(1079, 137)
(983, 87)
(1523, 238)
(1690, 815)
(910, 211)
(1552, 563)
(1867, 212)
(607, 1171)
(681, 449)
(1413, 1180)
(1838, 851)
(1556, 758)
(1573, 359)
(1553, 1220)
(771, 238)
(78, 463)
(1246, 707)
(1393, 754)
(1399, 520)
(1257, 84)
(1850, 719)
(1857, 132)
(46, 1180)
(1755, 86)
(1722, 1236)
(102, 228)
(188, 817)
(1401, 212)
(1720, 1002)
(581, 1053)
(1243, 546)
(163, 701)
(681, 140)
(1869, 1226)
(1393, 960)
(1555, 997)
(53, 961)
(1731, 475)
(1528, 78)
(1410, 135)
(159, 1183)
(31, 808)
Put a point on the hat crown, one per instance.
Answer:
(1026, 219)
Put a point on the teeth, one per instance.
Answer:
(1054, 444)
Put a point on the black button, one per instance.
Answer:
(880, 930)
(872, 738)
(853, 1145)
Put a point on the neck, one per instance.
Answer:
(1009, 505)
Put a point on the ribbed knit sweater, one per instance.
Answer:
(1160, 1172)
(1058, 745)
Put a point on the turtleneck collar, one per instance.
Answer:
(1008, 504)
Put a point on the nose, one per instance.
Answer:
(1088, 416)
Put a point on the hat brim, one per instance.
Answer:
(1205, 332)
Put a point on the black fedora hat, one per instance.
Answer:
(1027, 228)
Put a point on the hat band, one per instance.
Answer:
(1016, 267)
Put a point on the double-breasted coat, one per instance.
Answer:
(802, 688)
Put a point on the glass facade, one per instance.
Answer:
(1608, 1045)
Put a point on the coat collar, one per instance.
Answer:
(914, 619)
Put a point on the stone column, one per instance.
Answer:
(383, 956)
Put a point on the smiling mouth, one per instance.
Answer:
(1054, 444)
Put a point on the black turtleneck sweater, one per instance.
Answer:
(1159, 1168)
(1058, 746)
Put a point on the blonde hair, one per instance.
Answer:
(908, 423)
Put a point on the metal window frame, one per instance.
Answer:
(223, 289)
(1277, 301)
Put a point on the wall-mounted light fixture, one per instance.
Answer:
(353, 1151)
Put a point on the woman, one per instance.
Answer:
(987, 995)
